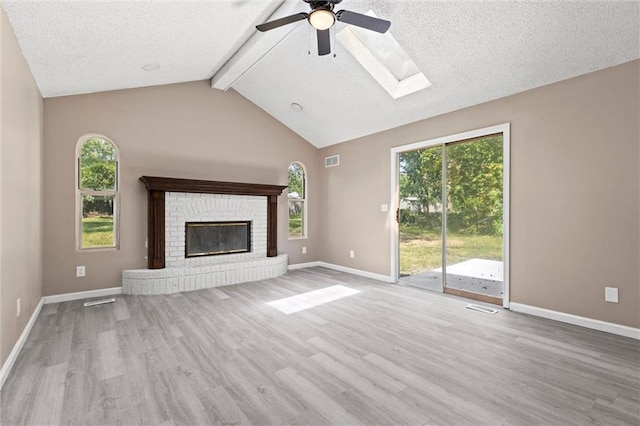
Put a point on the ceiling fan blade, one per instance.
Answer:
(364, 21)
(282, 21)
(324, 42)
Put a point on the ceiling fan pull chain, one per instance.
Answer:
(333, 40)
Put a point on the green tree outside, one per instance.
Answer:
(296, 189)
(474, 174)
(98, 165)
(474, 185)
(97, 172)
(295, 180)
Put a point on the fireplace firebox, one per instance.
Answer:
(217, 238)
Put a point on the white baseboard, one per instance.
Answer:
(366, 274)
(13, 356)
(620, 330)
(8, 364)
(303, 265)
(609, 327)
(57, 298)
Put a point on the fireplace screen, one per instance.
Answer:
(213, 238)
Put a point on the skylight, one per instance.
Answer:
(383, 57)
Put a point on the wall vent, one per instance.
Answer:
(332, 161)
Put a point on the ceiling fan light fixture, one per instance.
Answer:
(322, 19)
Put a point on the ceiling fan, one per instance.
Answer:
(322, 18)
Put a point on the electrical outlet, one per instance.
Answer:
(611, 294)
(18, 308)
(352, 254)
(304, 250)
(80, 271)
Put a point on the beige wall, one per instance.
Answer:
(574, 182)
(574, 192)
(20, 190)
(184, 130)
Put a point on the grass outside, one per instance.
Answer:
(295, 225)
(421, 248)
(97, 232)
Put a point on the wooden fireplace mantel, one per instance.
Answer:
(158, 186)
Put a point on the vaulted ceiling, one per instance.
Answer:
(471, 52)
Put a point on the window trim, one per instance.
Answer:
(305, 189)
(79, 192)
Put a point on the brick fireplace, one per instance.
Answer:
(174, 203)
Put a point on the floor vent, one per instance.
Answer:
(332, 161)
(482, 309)
(99, 302)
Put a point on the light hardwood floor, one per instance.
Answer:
(387, 355)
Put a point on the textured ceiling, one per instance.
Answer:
(471, 52)
(92, 46)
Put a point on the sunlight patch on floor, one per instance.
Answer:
(300, 302)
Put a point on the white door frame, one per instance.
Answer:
(395, 192)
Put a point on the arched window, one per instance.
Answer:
(97, 194)
(297, 181)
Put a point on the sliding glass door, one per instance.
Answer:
(450, 217)
(473, 219)
(420, 218)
